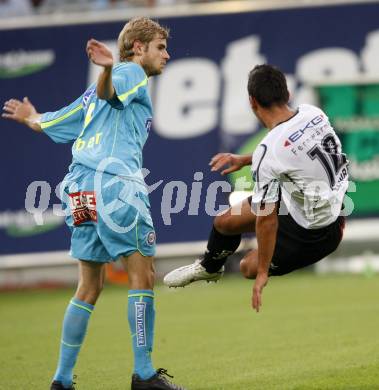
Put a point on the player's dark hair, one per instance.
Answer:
(268, 85)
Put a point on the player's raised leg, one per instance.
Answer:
(223, 241)
(75, 322)
(141, 316)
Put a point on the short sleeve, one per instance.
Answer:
(267, 188)
(128, 81)
(64, 125)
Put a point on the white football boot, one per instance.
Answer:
(187, 274)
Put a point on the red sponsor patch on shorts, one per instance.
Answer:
(83, 206)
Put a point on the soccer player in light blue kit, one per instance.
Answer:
(104, 194)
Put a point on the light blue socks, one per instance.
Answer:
(74, 330)
(141, 316)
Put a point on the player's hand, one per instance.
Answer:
(99, 53)
(19, 111)
(220, 160)
(260, 282)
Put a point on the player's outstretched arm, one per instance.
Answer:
(23, 112)
(266, 227)
(235, 162)
(101, 55)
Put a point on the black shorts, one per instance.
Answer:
(297, 247)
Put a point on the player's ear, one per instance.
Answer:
(138, 47)
(253, 103)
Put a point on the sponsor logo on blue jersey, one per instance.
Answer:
(148, 124)
(87, 96)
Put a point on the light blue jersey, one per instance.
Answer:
(104, 193)
(108, 135)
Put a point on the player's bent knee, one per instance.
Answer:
(224, 224)
(152, 277)
(246, 270)
(141, 275)
(100, 287)
(88, 295)
(243, 267)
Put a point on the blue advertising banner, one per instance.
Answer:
(200, 107)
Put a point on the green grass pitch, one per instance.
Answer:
(314, 332)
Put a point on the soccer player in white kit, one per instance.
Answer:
(300, 176)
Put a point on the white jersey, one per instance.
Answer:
(300, 161)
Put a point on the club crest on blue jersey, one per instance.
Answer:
(148, 124)
(87, 96)
(150, 239)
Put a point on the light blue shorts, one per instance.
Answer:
(109, 216)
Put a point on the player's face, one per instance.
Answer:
(155, 56)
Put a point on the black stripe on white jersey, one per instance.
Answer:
(259, 164)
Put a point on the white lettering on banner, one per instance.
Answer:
(241, 56)
(333, 63)
(187, 94)
(370, 54)
(187, 98)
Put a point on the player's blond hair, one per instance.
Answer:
(141, 29)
